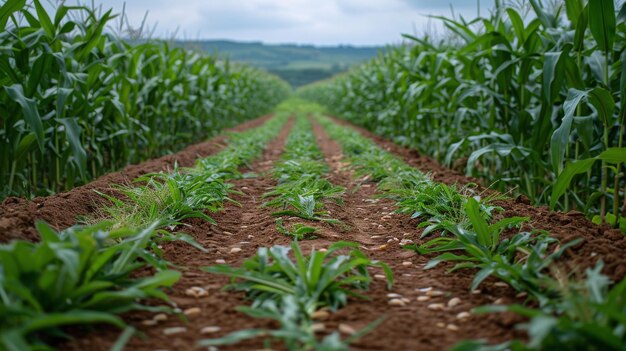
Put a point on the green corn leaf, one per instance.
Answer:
(29, 109)
(565, 178)
(602, 23)
(44, 19)
(7, 9)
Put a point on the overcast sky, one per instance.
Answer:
(320, 22)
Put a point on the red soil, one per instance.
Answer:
(369, 222)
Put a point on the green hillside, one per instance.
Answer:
(297, 64)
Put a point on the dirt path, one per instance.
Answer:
(18, 216)
(599, 242)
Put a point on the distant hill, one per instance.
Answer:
(297, 64)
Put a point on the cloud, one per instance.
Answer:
(322, 22)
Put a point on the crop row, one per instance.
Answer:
(302, 188)
(530, 96)
(297, 292)
(460, 228)
(84, 275)
(77, 101)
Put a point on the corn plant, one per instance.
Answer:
(414, 192)
(301, 189)
(290, 291)
(520, 260)
(168, 198)
(533, 101)
(321, 279)
(589, 315)
(77, 101)
(79, 276)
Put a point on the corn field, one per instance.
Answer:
(530, 97)
(76, 101)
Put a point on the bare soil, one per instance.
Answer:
(367, 220)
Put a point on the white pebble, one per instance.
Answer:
(424, 289)
(452, 327)
(210, 330)
(434, 293)
(149, 322)
(380, 276)
(501, 284)
(463, 315)
(192, 311)
(394, 296)
(397, 302)
(160, 317)
(436, 306)
(423, 298)
(235, 250)
(346, 329)
(220, 261)
(454, 301)
(174, 330)
(320, 314)
(407, 263)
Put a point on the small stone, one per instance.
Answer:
(407, 263)
(521, 295)
(243, 227)
(323, 250)
(405, 242)
(220, 261)
(235, 250)
(454, 302)
(424, 289)
(394, 296)
(380, 226)
(452, 327)
(441, 324)
(320, 314)
(196, 292)
(376, 237)
(406, 275)
(149, 322)
(380, 276)
(159, 317)
(174, 330)
(463, 315)
(244, 242)
(397, 302)
(318, 327)
(593, 254)
(210, 330)
(192, 311)
(436, 306)
(250, 236)
(477, 292)
(499, 301)
(501, 284)
(423, 298)
(228, 233)
(405, 300)
(346, 329)
(434, 293)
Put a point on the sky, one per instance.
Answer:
(318, 22)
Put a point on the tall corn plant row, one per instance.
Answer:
(534, 101)
(76, 101)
